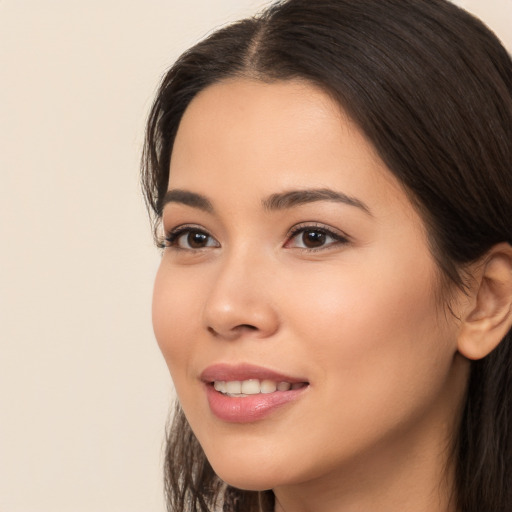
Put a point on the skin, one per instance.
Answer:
(358, 318)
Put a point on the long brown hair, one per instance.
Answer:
(431, 87)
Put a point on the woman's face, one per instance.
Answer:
(295, 264)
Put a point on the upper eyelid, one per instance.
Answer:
(185, 227)
(304, 226)
(294, 229)
(291, 233)
(171, 235)
(339, 238)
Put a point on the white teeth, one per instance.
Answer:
(220, 385)
(268, 386)
(253, 386)
(284, 386)
(234, 387)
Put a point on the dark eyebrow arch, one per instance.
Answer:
(293, 198)
(189, 199)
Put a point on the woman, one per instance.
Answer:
(332, 182)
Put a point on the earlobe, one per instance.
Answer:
(488, 317)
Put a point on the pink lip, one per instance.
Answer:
(225, 372)
(250, 408)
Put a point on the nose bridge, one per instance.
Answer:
(240, 297)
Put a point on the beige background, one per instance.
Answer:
(84, 393)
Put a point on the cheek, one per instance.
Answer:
(374, 330)
(175, 315)
(360, 300)
(379, 351)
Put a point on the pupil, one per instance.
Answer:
(196, 239)
(313, 238)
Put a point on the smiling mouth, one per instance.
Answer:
(246, 393)
(251, 387)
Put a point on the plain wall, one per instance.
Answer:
(84, 392)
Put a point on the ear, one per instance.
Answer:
(488, 314)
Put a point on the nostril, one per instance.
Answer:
(234, 332)
(247, 326)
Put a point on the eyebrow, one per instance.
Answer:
(279, 201)
(293, 198)
(189, 199)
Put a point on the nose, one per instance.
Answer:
(240, 301)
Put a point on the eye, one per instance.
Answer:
(314, 238)
(189, 238)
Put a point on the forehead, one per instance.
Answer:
(259, 138)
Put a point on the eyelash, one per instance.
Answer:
(171, 238)
(339, 238)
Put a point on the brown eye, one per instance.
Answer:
(313, 238)
(190, 239)
(197, 240)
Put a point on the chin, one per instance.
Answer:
(246, 482)
(249, 476)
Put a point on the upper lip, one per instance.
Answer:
(241, 372)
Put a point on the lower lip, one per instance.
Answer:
(250, 408)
